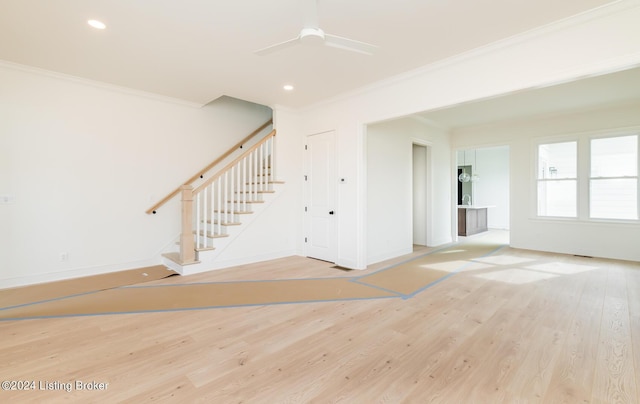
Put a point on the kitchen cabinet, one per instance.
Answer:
(472, 219)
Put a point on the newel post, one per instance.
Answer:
(187, 250)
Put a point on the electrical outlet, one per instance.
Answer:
(64, 256)
(7, 199)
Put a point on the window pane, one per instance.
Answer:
(557, 160)
(614, 199)
(614, 156)
(557, 198)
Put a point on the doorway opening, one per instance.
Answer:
(420, 194)
(483, 195)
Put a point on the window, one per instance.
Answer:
(613, 182)
(591, 177)
(557, 179)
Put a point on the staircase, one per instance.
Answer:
(220, 207)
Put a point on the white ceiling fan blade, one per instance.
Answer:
(311, 33)
(349, 44)
(311, 14)
(277, 47)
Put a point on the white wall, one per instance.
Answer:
(278, 230)
(85, 161)
(390, 187)
(601, 239)
(493, 188)
(600, 41)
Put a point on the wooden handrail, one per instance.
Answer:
(208, 167)
(234, 162)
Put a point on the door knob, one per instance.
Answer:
(331, 212)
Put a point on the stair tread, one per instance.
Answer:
(175, 257)
(240, 212)
(225, 223)
(245, 201)
(211, 235)
(264, 191)
(267, 182)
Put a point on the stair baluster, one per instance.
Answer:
(224, 196)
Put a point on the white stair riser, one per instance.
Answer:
(207, 258)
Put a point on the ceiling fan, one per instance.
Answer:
(311, 33)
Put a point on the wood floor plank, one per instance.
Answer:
(615, 378)
(489, 343)
(558, 302)
(632, 273)
(572, 377)
(522, 327)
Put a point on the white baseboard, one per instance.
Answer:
(439, 242)
(351, 264)
(74, 273)
(387, 256)
(215, 265)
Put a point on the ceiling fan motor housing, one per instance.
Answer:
(312, 36)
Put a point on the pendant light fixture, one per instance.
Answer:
(464, 177)
(475, 177)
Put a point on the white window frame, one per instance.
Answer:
(589, 178)
(583, 174)
(538, 180)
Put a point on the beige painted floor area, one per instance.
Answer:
(110, 294)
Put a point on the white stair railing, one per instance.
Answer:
(221, 200)
(200, 174)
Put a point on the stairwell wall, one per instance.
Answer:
(276, 231)
(84, 161)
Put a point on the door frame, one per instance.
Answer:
(307, 181)
(428, 187)
(455, 181)
(419, 171)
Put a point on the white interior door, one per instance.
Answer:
(321, 183)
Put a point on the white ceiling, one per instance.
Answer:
(198, 50)
(617, 88)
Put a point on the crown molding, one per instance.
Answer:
(94, 83)
(511, 41)
(432, 124)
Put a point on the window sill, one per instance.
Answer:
(590, 222)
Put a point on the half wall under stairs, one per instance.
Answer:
(220, 207)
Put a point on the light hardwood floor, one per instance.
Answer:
(518, 326)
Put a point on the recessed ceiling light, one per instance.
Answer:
(97, 24)
(288, 87)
